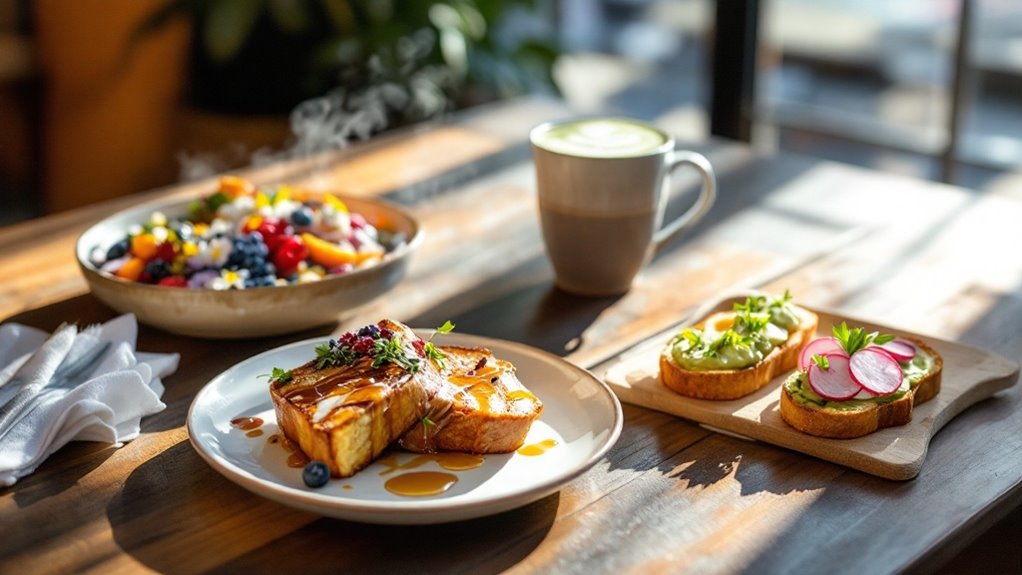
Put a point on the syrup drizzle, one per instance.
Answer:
(246, 423)
(534, 449)
(450, 461)
(421, 483)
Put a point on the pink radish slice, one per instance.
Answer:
(821, 346)
(834, 383)
(875, 370)
(900, 349)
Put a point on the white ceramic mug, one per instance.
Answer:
(603, 187)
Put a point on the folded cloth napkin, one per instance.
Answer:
(86, 385)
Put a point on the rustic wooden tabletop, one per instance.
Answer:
(671, 495)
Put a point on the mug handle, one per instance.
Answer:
(706, 196)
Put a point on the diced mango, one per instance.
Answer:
(132, 269)
(143, 246)
(252, 223)
(329, 254)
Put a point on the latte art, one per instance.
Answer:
(600, 138)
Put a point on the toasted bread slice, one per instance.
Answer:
(734, 383)
(347, 415)
(488, 409)
(866, 416)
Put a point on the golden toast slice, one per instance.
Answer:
(345, 414)
(487, 410)
(866, 416)
(722, 384)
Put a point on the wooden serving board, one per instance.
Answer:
(970, 375)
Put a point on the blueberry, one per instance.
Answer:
(118, 249)
(371, 330)
(316, 474)
(301, 217)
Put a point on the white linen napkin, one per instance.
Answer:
(103, 403)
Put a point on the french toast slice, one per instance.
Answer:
(346, 414)
(723, 384)
(860, 417)
(487, 410)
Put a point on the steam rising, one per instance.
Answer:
(392, 87)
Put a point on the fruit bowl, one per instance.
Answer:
(246, 313)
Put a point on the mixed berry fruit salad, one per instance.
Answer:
(244, 237)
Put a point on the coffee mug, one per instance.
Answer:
(603, 186)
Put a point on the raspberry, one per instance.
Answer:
(364, 345)
(174, 281)
(289, 254)
(166, 251)
(275, 232)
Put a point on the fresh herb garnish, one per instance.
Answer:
(427, 422)
(751, 322)
(431, 351)
(391, 350)
(762, 303)
(330, 354)
(822, 361)
(852, 340)
(728, 338)
(279, 375)
(693, 337)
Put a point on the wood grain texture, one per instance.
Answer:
(970, 375)
(670, 496)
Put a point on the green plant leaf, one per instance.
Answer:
(228, 25)
(291, 16)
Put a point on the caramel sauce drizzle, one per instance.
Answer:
(246, 423)
(479, 383)
(448, 460)
(421, 483)
(534, 449)
(296, 457)
(360, 385)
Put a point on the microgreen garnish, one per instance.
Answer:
(728, 338)
(693, 337)
(852, 340)
(391, 350)
(427, 422)
(750, 322)
(431, 351)
(822, 361)
(330, 354)
(279, 375)
(762, 303)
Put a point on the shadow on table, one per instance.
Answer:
(57, 474)
(537, 313)
(176, 514)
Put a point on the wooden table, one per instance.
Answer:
(670, 496)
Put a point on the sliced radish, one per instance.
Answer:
(834, 383)
(900, 350)
(875, 370)
(821, 346)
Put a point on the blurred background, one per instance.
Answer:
(103, 98)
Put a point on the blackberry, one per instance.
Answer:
(118, 250)
(157, 270)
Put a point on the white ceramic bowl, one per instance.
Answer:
(252, 312)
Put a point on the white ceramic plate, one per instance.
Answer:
(579, 412)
